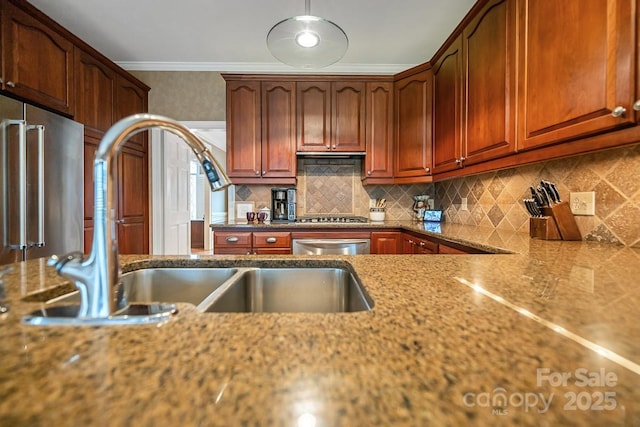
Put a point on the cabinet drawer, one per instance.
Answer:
(226, 239)
(427, 247)
(272, 240)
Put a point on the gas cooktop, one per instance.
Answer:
(344, 219)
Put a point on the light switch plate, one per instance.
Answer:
(583, 203)
(463, 204)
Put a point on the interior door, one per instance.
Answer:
(176, 188)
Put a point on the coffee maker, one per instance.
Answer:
(283, 204)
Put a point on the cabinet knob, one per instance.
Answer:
(619, 111)
(411, 242)
(427, 170)
(421, 243)
(11, 84)
(636, 105)
(264, 172)
(334, 146)
(232, 239)
(271, 239)
(368, 172)
(257, 172)
(460, 160)
(328, 147)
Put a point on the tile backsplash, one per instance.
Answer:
(333, 186)
(495, 199)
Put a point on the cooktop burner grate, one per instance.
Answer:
(332, 219)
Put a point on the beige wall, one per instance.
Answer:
(185, 95)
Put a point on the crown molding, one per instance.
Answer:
(263, 68)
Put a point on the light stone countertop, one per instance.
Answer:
(451, 340)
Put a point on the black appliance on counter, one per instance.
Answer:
(283, 204)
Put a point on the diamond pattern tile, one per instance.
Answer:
(495, 198)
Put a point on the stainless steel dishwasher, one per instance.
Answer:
(331, 246)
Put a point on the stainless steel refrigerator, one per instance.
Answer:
(41, 179)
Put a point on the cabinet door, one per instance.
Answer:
(413, 126)
(489, 68)
(278, 130)
(313, 118)
(133, 202)
(577, 60)
(38, 62)
(348, 116)
(95, 93)
(379, 130)
(383, 242)
(244, 157)
(447, 109)
(131, 99)
(409, 245)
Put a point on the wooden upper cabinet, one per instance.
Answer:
(577, 66)
(130, 99)
(95, 91)
(313, 118)
(413, 125)
(490, 83)
(37, 61)
(379, 131)
(447, 109)
(278, 130)
(330, 116)
(243, 129)
(348, 116)
(261, 138)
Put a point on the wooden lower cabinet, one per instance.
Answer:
(247, 243)
(386, 242)
(412, 244)
(271, 243)
(445, 249)
(132, 213)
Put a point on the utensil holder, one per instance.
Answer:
(558, 222)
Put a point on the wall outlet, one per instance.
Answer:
(583, 203)
(463, 204)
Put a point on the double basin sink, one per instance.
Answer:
(244, 289)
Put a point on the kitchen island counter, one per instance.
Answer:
(547, 335)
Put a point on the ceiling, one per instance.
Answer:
(229, 35)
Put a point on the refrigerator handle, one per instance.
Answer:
(40, 128)
(22, 181)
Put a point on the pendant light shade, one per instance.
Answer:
(307, 41)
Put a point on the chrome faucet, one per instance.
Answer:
(97, 277)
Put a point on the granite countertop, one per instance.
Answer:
(547, 335)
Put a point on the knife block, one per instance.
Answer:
(543, 228)
(558, 223)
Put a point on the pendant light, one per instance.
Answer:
(307, 41)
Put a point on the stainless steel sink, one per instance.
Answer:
(242, 289)
(280, 290)
(190, 285)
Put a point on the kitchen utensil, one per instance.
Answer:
(543, 195)
(536, 197)
(551, 195)
(528, 207)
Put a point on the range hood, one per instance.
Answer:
(330, 154)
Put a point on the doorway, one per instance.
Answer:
(182, 204)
